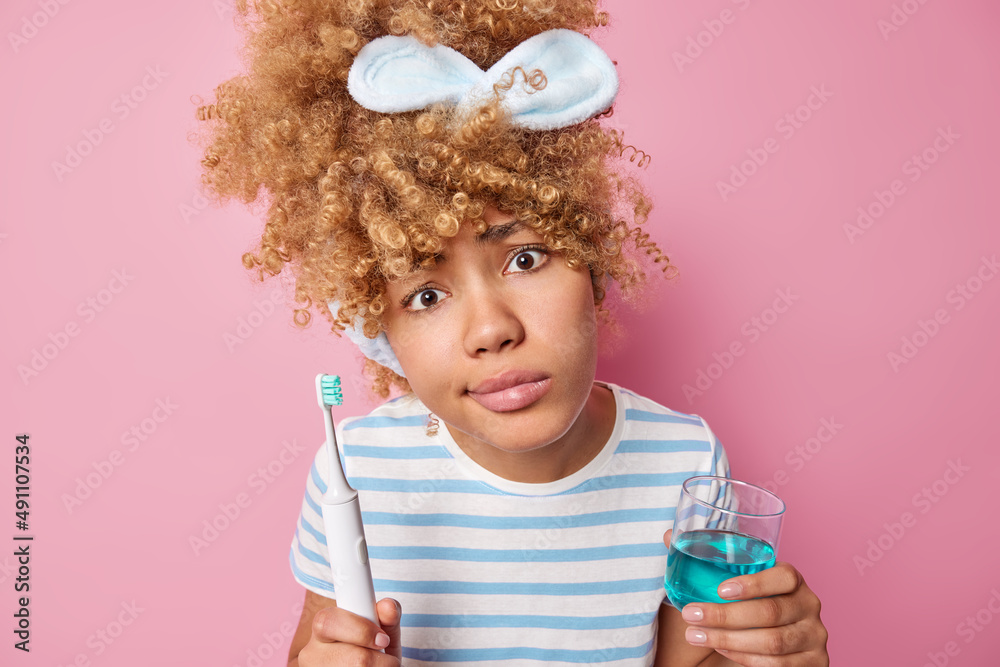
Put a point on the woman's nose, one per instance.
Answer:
(492, 324)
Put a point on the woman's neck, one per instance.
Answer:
(571, 452)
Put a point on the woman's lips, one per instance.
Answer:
(511, 391)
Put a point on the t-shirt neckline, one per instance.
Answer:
(480, 473)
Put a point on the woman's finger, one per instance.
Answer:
(778, 580)
(766, 612)
(785, 640)
(390, 613)
(333, 624)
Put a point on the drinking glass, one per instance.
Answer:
(722, 528)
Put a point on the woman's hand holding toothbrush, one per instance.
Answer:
(342, 638)
(339, 636)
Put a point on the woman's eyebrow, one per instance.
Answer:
(419, 265)
(498, 233)
(493, 234)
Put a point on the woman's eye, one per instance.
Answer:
(426, 298)
(526, 260)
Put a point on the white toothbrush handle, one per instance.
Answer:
(352, 575)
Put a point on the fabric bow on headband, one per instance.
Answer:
(394, 74)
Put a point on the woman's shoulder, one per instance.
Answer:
(642, 408)
(648, 421)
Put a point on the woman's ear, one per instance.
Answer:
(597, 283)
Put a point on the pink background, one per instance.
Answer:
(131, 206)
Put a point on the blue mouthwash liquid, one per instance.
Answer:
(700, 560)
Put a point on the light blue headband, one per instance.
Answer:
(377, 349)
(394, 74)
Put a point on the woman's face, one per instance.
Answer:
(498, 339)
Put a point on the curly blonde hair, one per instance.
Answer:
(356, 198)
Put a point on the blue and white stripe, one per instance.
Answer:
(491, 572)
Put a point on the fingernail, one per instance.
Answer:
(399, 609)
(730, 590)
(695, 636)
(692, 613)
(381, 640)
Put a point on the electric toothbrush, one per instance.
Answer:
(345, 534)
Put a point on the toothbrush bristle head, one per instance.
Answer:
(330, 391)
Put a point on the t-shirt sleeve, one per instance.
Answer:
(720, 462)
(308, 556)
(719, 468)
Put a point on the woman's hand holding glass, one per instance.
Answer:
(734, 595)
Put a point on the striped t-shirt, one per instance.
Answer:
(494, 572)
